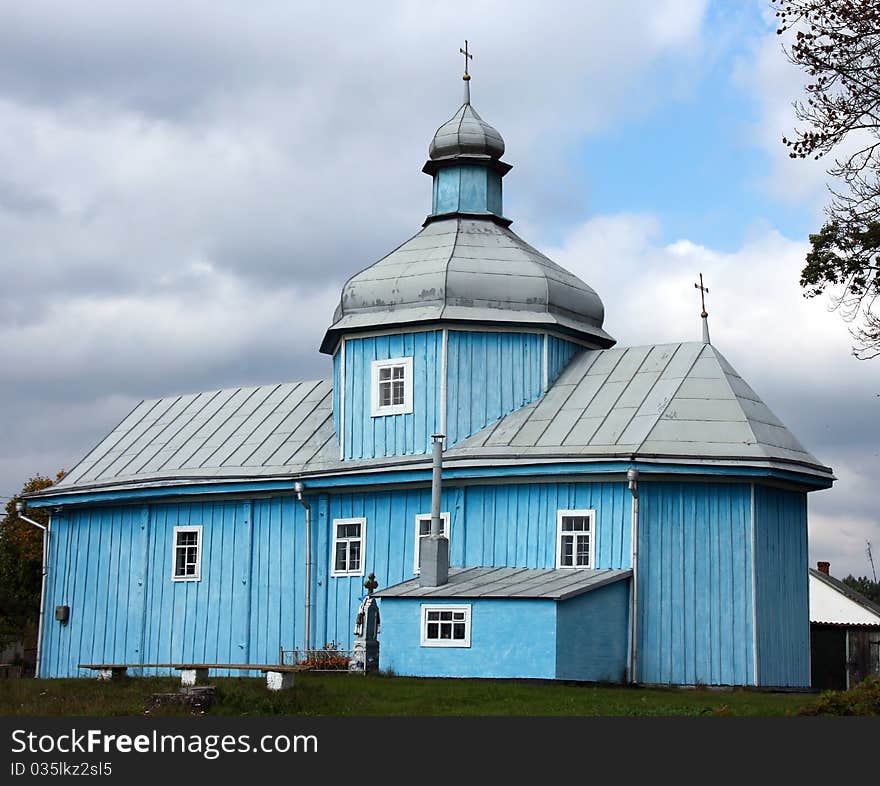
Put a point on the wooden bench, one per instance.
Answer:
(278, 677)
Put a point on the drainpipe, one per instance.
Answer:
(632, 477)
(19, 507)
(298, 488)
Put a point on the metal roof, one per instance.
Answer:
(834, 603)
(552, 584)
(667, 403)
(466, 133)
(271, 429)
(665, 400)
(468, 270)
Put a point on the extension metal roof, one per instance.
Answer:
(548, 583)
(679, 403)
(834, 603)
(468, 270)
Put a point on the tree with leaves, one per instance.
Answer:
(21, 568)
(837, 44)
(864, 586)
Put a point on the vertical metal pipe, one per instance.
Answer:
(307, 616)
(632, 477)
(436, 476)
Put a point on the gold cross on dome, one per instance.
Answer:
(467, 56)
(703, 291)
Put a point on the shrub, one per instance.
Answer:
(863, 699)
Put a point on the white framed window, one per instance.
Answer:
(575, 538)
(186, 554)
(423, 529)
(392, 387)
(348, 547)
(446, 626)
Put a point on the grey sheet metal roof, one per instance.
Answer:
(271, 429)
(468, 270)
(666, 400)
(552, 584)
(466, 133)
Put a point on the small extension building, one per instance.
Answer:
(844, 633)
(610, 513)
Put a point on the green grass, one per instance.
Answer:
(343, 694)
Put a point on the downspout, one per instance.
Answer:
(632, 477)
(307, 618)
(19, 507)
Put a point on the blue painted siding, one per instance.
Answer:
(390, 435)
(591, 635)
(695, 584)
(489, 375)
(509, 638)
(515, 525)
(103, 587)
(113, 566)
(782, 580)
(467, 189)
(559, 353)
(337, 387)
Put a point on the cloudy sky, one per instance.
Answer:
(185, 187)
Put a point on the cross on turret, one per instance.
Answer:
(703, 314)
(703, 291)
(467, 56)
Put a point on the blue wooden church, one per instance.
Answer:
(606, 513)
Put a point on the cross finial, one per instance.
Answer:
(467, 56)
(703, 291)
(704, 314)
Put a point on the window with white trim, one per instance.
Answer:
(423, 529)
(392, 387)
(575, 538)
(348, 547)
(446, 626)
(187, 554)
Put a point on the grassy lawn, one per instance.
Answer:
(342, 694)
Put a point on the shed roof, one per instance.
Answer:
(834, 603)
(548, 583)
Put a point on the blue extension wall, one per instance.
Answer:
(782, 581)
(592, 634)
(112, 566)
(509, 638)
(695, 584)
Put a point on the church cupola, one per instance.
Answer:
(465, 162)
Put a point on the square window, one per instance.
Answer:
(392, 387)
(446, 626)
(348, 542)
(574, 538)
(423, 529)
(187, 554)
